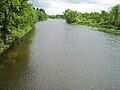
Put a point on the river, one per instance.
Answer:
(59, 56)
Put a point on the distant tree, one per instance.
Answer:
(115, 15)
(70, 15)
(104, 19)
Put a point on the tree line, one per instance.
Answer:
(58, 16)
(16, 19)
(105, 19)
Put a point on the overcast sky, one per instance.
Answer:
(58, 6)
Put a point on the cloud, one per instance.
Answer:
(104, 2)
(41, 3)
(81, 1)
(58, 6)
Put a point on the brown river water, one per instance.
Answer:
(59, 56)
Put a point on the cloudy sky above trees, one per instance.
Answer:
(58, 6)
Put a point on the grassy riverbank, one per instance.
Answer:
(110, 31)
(105, 30)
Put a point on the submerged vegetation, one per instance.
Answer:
(108, 20)
(16, 19)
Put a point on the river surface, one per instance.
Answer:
(59, 56)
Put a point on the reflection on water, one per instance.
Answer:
(62, 57)
(14, 62)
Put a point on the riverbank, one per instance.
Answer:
(19, 47)
(106, 21)
(10, 42)
(16, 20)
(111, 31)
(105, 30)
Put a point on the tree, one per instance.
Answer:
(4, 10)
(41, 14)
(104, 19)
(115, 15)
(16, 16)
(70, 15)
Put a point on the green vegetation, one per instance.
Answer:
(41, 15)
(109, 20)
(56, 16)
(16, 19)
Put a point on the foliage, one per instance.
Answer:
(110, 20)
(41, 15)
(56, 16)
(70, 16)
(16, 19)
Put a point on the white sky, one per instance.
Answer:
(59, 6)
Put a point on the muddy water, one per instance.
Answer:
(58, 56)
